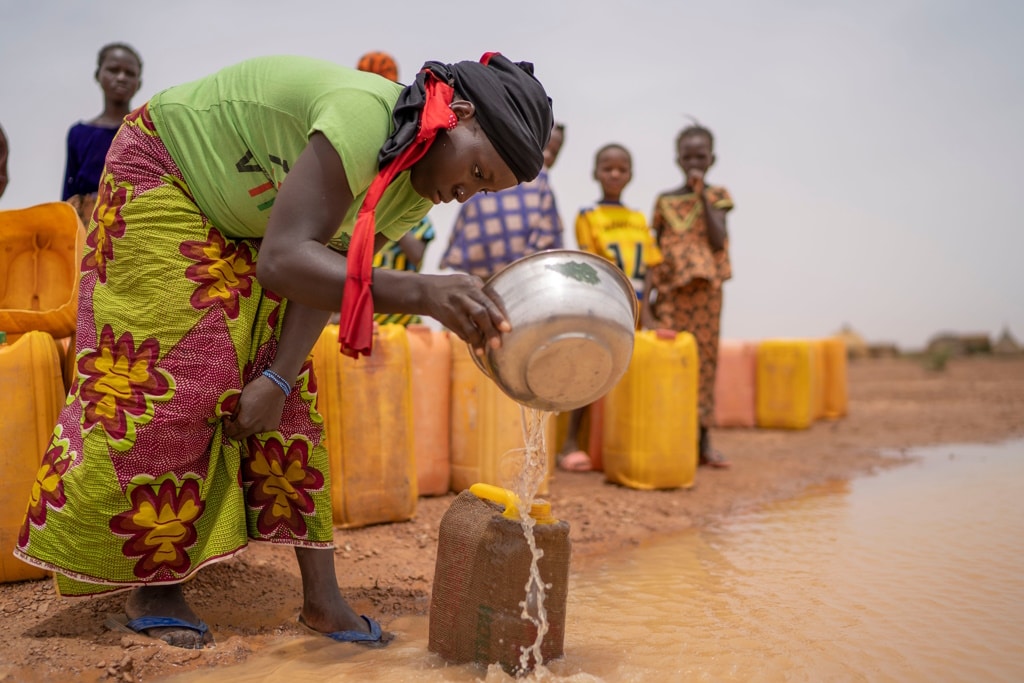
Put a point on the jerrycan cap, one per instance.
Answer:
(540, 509)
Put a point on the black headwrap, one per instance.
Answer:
(511, 105)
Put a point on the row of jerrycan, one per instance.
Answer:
(643, 434)
(780, 383)
(417, 417)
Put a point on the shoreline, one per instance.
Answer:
(386, 570)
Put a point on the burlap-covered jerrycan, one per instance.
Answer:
(483, 565)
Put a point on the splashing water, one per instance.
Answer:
(526, 479)
(531, 467)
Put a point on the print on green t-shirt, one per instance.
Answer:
(236, 134)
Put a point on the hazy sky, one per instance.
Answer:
(871, 147)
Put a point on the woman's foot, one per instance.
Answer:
(328, 618)
(574, 461)
(323, 608)
(366, 632)
(168, 602)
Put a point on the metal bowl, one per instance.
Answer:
(573, 317)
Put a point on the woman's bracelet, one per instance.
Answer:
(278, 380)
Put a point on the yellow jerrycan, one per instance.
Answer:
(836, 391)
(366, 404)
(40, 255)
(788, 388)
(487, 428)
(31, 396)
(481, 575)
(650, 416)
(430, 353)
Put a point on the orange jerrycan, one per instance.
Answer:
(481, 576)
(787, 383)
(31, 396)
(562, 430)
(836, 392)
(650, 416)
(487, 431)
(430, 353)
(40, 253)
(818, 387)
(735, 384)
(367, 408)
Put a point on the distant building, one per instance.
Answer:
(952, 344)
(1006, 343)
(883, 350)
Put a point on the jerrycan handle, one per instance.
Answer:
(500, 496)
(540, 510)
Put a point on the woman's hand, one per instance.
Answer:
(259, 409)
(459, 303)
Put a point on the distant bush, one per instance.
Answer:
(936, 360)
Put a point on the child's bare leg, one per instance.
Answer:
(708, 455)
(570, 457)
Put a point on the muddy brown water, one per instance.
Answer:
(913, 574)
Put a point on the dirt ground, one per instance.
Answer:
(386, 570)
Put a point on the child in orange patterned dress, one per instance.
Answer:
(690, 224)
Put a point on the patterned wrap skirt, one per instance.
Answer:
(697, 308)
(140, 485)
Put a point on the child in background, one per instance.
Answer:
(119, 73)
(380, 63)
(407, 253)
(621, 235)
(690, 226)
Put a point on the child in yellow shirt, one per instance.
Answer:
(620, 234)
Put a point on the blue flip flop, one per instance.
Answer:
(372, 639)
(145, 623)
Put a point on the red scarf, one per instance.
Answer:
(356, 332)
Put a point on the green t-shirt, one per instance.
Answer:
(235, 134)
